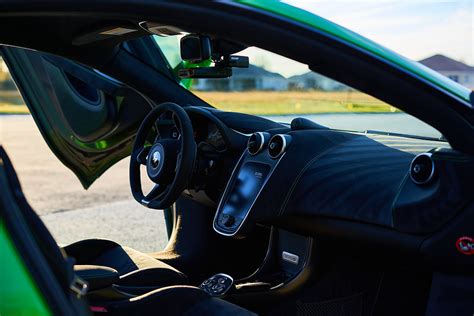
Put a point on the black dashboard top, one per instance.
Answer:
(348, 176)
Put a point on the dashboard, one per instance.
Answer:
(405, 184)
(382, 189)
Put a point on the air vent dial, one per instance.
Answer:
(422, 169)
(278, 144)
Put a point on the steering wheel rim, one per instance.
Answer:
(160, 158)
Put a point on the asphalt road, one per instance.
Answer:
(105, 210)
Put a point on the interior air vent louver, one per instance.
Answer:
(257, 142)
(277, 145)
(422, 169)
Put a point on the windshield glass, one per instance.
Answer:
(282, 89)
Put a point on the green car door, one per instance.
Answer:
(87, 118)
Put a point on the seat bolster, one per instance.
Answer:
(97, 277)
(162, 276)
(171, 300)
(88, 250)
(135, 268)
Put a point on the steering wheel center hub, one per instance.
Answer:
(156, 159)
(161, 161)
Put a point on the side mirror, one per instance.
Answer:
(195, 48)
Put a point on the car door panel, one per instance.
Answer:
(87, 118)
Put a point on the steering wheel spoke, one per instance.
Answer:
(143, 155)
(155, 192)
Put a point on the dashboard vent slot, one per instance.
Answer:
(422, 169)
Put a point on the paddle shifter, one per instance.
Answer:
(217, 285)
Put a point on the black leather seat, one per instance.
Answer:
(134, 267)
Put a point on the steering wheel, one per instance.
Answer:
(169, 161)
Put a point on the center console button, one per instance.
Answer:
(217, 285)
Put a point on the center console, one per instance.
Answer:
(255, 167)
(285, 268)
(287, 263)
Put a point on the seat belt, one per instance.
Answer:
(77, 289)
(78, 286)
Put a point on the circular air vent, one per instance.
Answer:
(277, 145)
(422, 169)
(256, 142)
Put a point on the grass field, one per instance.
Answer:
(295, 102)
(260, 102)
(13, 109)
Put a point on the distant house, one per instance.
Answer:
(252, 78)
(314, 81)
(453, 69)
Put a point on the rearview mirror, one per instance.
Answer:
(195, 48)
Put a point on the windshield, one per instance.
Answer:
(282, 89)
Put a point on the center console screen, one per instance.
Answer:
(245, 188)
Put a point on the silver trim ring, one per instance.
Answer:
(283, 147)
(430, 177)
(262, 142)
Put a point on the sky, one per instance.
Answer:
(415, 29)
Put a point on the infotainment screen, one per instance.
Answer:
(245, 188)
